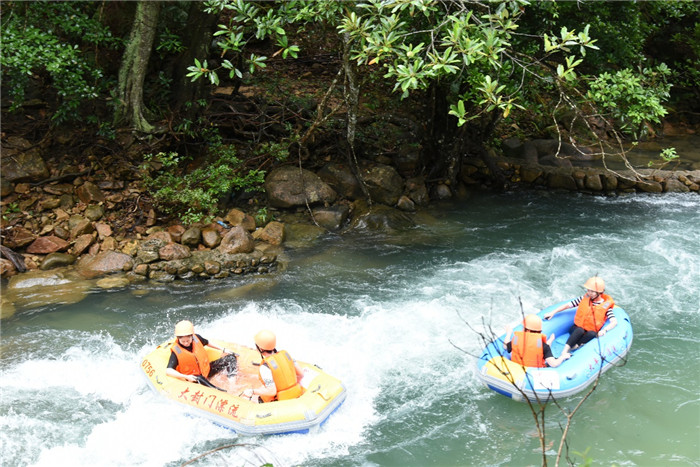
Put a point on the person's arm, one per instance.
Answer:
(509, 337)
(549, 357)
(612, 322)
(172, 372)
(573, 303)
(268, 389)
(299, 370)
(206, 343)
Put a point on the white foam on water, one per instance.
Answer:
(386, 345)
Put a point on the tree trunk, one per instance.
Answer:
(352, 99)
(450, 145)
(200, 28)
(133, 69)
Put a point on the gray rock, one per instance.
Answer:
(332, 218)
(289, 186)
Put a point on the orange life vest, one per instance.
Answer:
(591, 316)
(191, 363)
(284, 375)
(527, 348)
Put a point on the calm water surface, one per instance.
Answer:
(383, 314)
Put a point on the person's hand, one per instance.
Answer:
(248, 393)
(191, 378)
(548, 315)
(551, 339)
(601, 333)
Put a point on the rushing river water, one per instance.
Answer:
(386, 315)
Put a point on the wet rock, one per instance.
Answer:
(46, 245)
(113, 282)
(593, 182)
(673, 185)
(161, 276)
(58, 286)
(237, 240)
(105, 262)
(212, 267)
(406, 204)
(7, 269)
(173, 251)
(80, 225)
(141, 269)
(331, 218)
(649, 186)
(57, 260)
(380, 218)
(272, 233)
(89, 193)
(561, 181)
(289, 186)
(7, 308)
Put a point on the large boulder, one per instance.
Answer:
(340, 177)
(48, 244)
(384, 183)
(290, 186)
(237, 240)
(272, 233)
(380, 218)
(105, 262)
(21, 161)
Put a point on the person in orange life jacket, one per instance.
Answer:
(189, 359)
(593, 310)
(279, 374)
(530, 347)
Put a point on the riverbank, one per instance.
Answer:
(101, 227)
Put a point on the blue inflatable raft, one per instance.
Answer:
(500, 374)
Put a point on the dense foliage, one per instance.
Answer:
(476, 62)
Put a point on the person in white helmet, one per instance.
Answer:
(189, 359)
(593, 310)
(279, 373)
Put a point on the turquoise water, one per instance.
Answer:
(397, 319)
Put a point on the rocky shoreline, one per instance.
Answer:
(83, 226)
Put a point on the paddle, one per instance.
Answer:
(205, 382)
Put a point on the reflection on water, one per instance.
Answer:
(640, 156)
